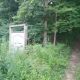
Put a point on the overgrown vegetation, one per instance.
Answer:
(37, 63)
(78, 72)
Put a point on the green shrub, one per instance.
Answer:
(37, 63)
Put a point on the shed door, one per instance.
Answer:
(17, 41)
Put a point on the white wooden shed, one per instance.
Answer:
(17, 37)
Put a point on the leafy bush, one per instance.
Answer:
(37, 63)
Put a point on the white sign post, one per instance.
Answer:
(17, 38)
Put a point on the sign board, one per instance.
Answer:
(18, 37)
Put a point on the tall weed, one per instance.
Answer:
(37, 63)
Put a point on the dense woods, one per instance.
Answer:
(45, 18)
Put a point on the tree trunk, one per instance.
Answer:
(55, 35)
(45, 33)
(55, 32)
(45, 23)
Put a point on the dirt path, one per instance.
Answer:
(74, 61)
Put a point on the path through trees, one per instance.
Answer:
(74, 61)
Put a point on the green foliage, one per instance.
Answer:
(33, 13)
(8, 9)
(4, 30)
(77, 75)
(37, 63)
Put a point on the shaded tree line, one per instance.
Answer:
(45, 18)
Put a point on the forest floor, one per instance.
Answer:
(74, 62)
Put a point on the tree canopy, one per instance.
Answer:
(44, 17)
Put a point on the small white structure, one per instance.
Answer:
(17, 38)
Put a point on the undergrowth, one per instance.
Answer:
(77, 75)
(36, 63)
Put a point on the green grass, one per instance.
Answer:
(37, 63)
